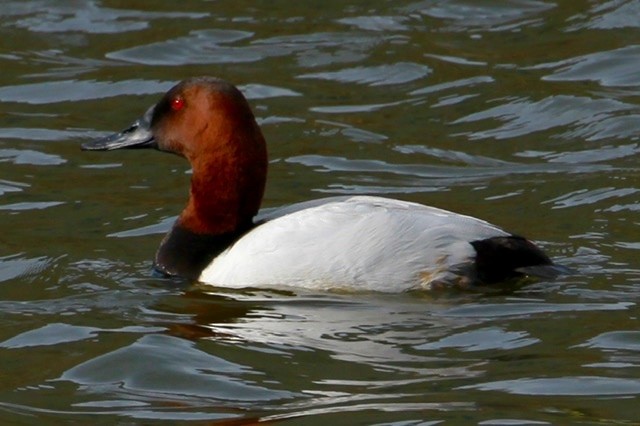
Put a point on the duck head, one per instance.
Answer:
(209, 122)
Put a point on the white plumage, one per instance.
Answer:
(360, 243)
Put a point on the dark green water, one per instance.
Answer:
(524, 113)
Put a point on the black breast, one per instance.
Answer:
(184, 253)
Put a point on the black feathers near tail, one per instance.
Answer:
(502, 258)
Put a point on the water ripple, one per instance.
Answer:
(78, 90)
(32, 205)
(28, 156)
(608, 15)
(199, 47)
(7, 186)
(211, 47)
(575, 386)
(323, 49)
(14, 266)
(57, 333)
(326, 163)
(37, 134)
(523, 117)
(465, 16)
(85, 17)
(398, 73)
(376, 23)
(609, 68)
(591, 196)
(625, 340)
(482, 339)
(148, 366)
(529, 308)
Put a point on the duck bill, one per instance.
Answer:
(138, 135)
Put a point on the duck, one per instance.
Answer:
(360, 242)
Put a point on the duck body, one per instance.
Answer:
(359, 242)
(367, 243)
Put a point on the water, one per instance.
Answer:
(520, 112)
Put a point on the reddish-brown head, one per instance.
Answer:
(209, 122)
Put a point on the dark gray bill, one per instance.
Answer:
(138, 135)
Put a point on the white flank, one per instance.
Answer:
(359, 243)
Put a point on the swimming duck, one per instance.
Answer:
(350, 242)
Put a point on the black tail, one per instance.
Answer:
(501, 258)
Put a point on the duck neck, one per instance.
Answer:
(226, 192)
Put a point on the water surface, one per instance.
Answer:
(520, 112)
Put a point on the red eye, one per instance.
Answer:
(177, 104)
